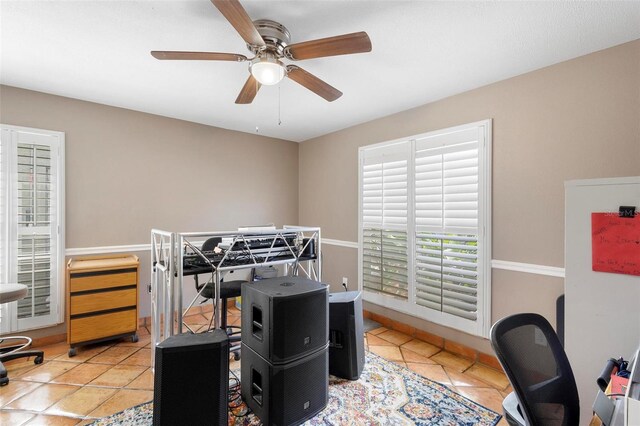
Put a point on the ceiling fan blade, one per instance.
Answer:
(331, 46)
(198, 56)
(249, 91)
(313, 83)
(238, 18)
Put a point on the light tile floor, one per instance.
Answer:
(104, 379)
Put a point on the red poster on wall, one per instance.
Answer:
(615, 243)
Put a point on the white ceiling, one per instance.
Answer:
(422, 51)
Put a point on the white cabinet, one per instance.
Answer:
(602, 310)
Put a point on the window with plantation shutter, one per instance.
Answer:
(384, 220)
(440, 229)
(32, 254)
(446, 225)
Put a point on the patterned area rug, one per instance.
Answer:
(385, 394)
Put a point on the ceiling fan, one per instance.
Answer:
(269, 41)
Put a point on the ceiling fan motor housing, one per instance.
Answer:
(275, 35)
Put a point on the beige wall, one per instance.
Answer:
(128, 172)
(347, 258)
(576, 119)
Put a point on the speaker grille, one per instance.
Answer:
(301, 390)
(299, 327)
(285, 394)
(191, 383)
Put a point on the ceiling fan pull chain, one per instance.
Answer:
(279, 103)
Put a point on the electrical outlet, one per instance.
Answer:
(345, 282)
(539, 338)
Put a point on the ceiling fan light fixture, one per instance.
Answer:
(267, 70)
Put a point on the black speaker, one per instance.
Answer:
(285, 318)
(286, 394)
(346, 335)
(191, 383)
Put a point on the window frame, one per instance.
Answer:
(9, 311)
(481, 326)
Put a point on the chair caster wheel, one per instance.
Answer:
(72, 352)
(4, 381)
(38, 360)
(236, 356)
(134, 338)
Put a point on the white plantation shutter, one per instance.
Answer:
(31, 205)
(384, 220)
(424, 208)
(446, 225)
(36, 194)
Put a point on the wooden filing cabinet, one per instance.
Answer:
(102, 299)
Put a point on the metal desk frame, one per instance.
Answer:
(167, 253)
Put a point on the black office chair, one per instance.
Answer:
(544, 389)
(228, 290)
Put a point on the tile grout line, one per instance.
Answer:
(145, 368)
(18, 397)
(53, 403)
(38, 413)
(75, 364)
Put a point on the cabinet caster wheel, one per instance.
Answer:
(72, 352)
(4, 381)
(134, 338)
(236, 356)
(38, 360)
